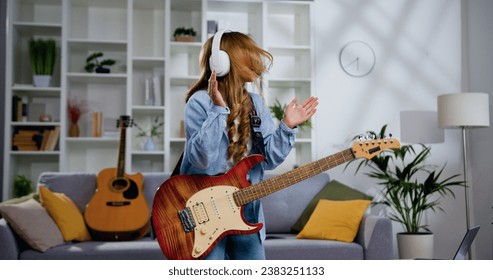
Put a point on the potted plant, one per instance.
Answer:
(22, 186)
(183, 34)
(42, 54)
(278, 109)
(154, 130)
(94, 64)
(410, 188)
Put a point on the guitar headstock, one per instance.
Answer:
(124, 121)
(368, 148)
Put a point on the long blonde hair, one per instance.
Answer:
(239, 47)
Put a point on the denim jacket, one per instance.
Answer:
(207, 142)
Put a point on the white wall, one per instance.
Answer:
(418, 49)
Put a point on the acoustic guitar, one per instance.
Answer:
(118, 210)
(192, 213)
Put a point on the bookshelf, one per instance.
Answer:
(138, 34)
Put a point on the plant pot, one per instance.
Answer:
(102, 70)
(415, 245)
(184, 38)
(42, 80)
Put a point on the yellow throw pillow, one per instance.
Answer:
(335, 220)
(65, 214)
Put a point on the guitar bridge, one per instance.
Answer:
(186, 219)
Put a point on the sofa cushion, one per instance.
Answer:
(282, 208)
(142, 249)
(79, 187)
(332, 191)
(65, 214)
(33, 224)
(285, 246)
(152, 181)
(335, 220)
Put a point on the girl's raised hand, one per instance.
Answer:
(213, 90)
(296, 114)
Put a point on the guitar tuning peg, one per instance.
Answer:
(360, 138)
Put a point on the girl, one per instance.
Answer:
(219, 129)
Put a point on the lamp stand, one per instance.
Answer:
(466, 187)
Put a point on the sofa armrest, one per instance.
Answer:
(8, 243)
(375, 235)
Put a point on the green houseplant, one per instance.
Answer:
(410, 185)
(42, 54)
(22, 186)
(183, 34)
(93, 63)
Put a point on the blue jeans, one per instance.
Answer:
(238, 247)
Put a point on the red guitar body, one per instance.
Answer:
(174, 194)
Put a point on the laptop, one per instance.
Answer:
(464, 245)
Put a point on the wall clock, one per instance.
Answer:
(357, 58)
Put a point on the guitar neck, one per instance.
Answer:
(121, 153)
(266, 187)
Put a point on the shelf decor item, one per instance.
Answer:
(75, 108)
(410, 188)
(183, 34)
(153, 130)
(93, 64)
(42, 54)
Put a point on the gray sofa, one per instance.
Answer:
(282, 209)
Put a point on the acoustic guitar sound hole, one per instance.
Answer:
(129, 188)
(120, 184)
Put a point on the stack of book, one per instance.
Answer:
(35, 139)
(19, 108)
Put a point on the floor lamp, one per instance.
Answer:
(464, 110)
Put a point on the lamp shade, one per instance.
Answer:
(464, 109)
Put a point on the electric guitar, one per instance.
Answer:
(192, 213)
(118, 210)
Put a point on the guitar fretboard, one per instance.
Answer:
(292, 177)
(121, 153)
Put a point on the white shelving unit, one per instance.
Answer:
(138, 35)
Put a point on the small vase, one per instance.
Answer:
(149, 144)
(73, 130)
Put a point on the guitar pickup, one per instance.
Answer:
(186, 219)
(117, 203)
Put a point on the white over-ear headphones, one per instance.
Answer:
(219, 59)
